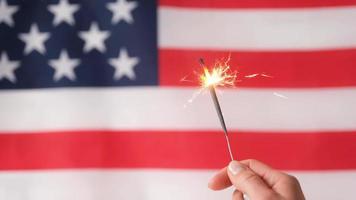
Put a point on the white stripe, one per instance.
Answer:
(151, 185)
(257, 29)
(152, 108)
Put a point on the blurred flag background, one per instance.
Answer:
(92, 105)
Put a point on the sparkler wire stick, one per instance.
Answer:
(219, 112)
(221, 118)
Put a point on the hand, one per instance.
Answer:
(258, 181)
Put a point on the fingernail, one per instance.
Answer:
(235, 167)
(246, 197)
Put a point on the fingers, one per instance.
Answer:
(280, 182)
(269, 175)
(289, 187)
(220, 180)
(257, 180)
(247, 181)
(237, 195)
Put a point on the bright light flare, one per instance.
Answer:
(219, 75)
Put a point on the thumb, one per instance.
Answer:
(247, 181)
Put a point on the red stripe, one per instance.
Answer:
(173, 149)
(255, 3)
(289, 69)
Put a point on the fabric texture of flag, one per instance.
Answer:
(93, 106)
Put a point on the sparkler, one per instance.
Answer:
(218, 76)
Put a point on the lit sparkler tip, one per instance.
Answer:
(219, 75)
(201, 61)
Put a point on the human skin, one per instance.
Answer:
(258, 181)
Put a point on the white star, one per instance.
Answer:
(124, 65)
(64, 66)
(121, 10)
(7, 68)
(94, 38)
(34, 40)
(63, 12)
(6, 13)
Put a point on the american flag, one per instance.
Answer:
(92, 105)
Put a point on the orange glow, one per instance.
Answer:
(219, 75)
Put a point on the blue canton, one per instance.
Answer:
(77, 43)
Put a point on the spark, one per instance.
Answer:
(251, 75)
(255, 75)
(184, 79)
(266, 75)
(280, 95)
(219, 75)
